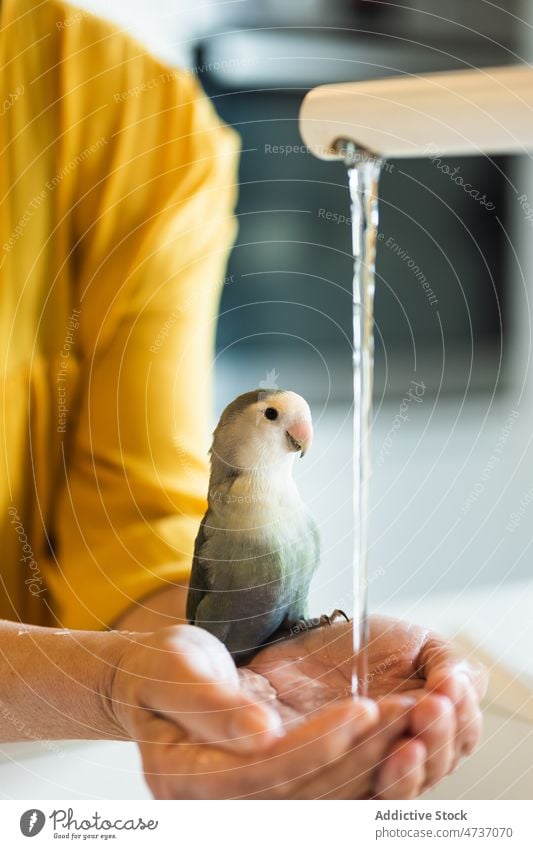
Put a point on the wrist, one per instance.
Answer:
(88, 662)
(112, 704)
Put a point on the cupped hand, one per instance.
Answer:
(208, 730)
(315, 667)
(284, 726)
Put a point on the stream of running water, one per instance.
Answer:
(363, 178)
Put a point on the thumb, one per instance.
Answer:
(202, 692)
(223, 715)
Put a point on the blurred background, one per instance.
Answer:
(453, 477)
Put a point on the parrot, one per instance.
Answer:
(258, 546)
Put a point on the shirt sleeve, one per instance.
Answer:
(151, 223)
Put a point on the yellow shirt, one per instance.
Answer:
(118, 184)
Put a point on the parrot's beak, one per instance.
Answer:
(300, 436)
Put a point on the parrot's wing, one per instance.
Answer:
(308, 559)
(197, 585)
(243, 585)
(315, 538)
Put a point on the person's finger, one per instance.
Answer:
(403, 774)
(471, 733)
(464, 685)
(157, 736)
(352, 776)
(186, 771)
(434, 722)
(469, 725)
(314, 750)
(318, 759)
(442, 667)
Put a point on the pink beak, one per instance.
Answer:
(301, 432)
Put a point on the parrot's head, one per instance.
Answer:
(261, 429)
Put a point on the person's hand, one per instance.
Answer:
(315, 667)
(184, 676)
(208, 730)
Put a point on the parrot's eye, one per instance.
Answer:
(271, 413)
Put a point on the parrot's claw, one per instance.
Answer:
(336, 615)
(316, 622)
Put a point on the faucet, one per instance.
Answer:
(480, 111)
